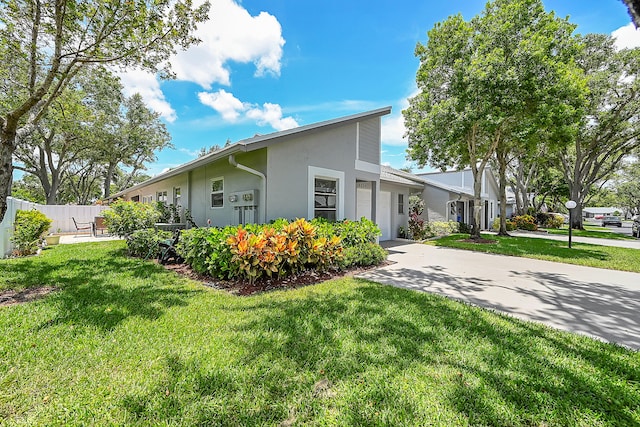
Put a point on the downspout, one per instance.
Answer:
(263, 184)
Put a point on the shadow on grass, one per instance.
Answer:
(99, 286)
(487, 370)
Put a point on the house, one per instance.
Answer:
(449, 197)
(599, 212)
(329, 169)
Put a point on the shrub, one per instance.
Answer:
(511, 226)
(290, 250)
(126, 217)
(418, 229)
(525, 222)
(206, 250)
(144, 243)
(444, 228)
(168, 213)
(364, 254)
(354, 233)
(464, 228)
(549, 220)
(30, 228)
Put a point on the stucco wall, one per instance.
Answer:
(235, 180)
(288, 170)
(435, 203)
(195, 187)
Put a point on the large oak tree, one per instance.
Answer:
(610, 128)
(44, 43)
(487, 84)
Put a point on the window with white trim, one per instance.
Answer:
(325, 198)
(401, 204)
(177, 197)
(217, 193)
(147, 199)
(161, 196)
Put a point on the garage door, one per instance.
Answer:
(384, 215)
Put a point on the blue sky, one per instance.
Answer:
(270, 65)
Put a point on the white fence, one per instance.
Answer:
(60, 214)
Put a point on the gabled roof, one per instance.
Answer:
(451, 188)
(457, 189)
(257, 142)
(389, 174)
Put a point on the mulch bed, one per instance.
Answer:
(241, 287)
(17, 297)
(481, 241)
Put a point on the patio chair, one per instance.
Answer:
(168, 250)
(82, 226)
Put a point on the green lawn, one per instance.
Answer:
(591, 231)
(124, 342)
(609, 257)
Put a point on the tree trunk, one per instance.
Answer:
(7, 147)
(501, 157)
(477, 204)
(576, 193)
(107, 179)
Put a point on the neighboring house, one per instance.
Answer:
(600, 212)
(329, 169)
(449, 197)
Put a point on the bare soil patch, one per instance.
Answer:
(243, 287)
(12, 297)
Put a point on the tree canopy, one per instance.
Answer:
(487, 84)
(45, 43)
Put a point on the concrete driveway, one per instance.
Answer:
(604, 304)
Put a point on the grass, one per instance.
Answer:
(591, 231)
(124, 342)
(609, 257)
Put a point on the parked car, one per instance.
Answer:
(611, 220)
(635, 228)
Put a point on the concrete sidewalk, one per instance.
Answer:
(604, 304)
(67, 239)
(632, 244)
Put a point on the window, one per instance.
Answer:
(177, 197)
(217, 193)
(161, 196)
(135, 199)
(147, 199)
(325, 199)
(325, 193)
(401, 204)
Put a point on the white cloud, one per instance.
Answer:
(271, 114)
(393, 129)
(147, 85)
(627, 37)
(231, 35)
(224, 103)
(233, 110)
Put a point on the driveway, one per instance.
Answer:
(604, 304)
